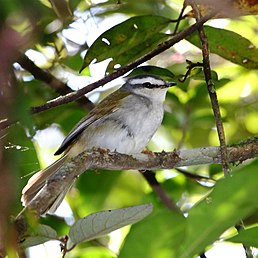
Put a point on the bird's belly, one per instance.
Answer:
(129, 134)
(115, 138)
(118, 141)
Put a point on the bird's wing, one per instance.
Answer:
(104, 108)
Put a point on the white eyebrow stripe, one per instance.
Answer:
(151, 80)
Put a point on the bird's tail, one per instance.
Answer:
(37, 182)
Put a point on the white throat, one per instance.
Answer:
(156, 95)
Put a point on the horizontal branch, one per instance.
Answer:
(103, 159)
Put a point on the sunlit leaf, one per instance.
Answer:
(230, 46)
(43, 234)
(95, 252)
(104, 222)
(233, 8)
(127, 40)
(248, 237)
(251, 122)
(232, 199)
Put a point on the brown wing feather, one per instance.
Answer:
(105, 107)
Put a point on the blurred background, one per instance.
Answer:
(54, 36)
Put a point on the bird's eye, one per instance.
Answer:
(147, 85)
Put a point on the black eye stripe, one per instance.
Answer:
(150, 85)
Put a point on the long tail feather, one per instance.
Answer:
(38, 180)
(60, 198)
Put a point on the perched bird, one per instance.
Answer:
(124, 121)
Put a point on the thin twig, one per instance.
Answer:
(195, 177)
(63, 245)
(190, 66)
(180, 17)
(212, 92)
(248, 251)
(5, 123)
(158, 189)
(51, 80)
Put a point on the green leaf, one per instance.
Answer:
(127, 40)
(43, 234)
(230, 46)
(158, 236)
(131, 53)
(150, 69)
(231, 200)
(248, 237)
(101, 223)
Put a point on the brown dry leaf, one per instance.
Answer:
(226, 8)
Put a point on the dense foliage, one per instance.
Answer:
(63, 38)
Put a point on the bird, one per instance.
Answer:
(124, 121)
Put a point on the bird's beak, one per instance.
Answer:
(170, 84)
